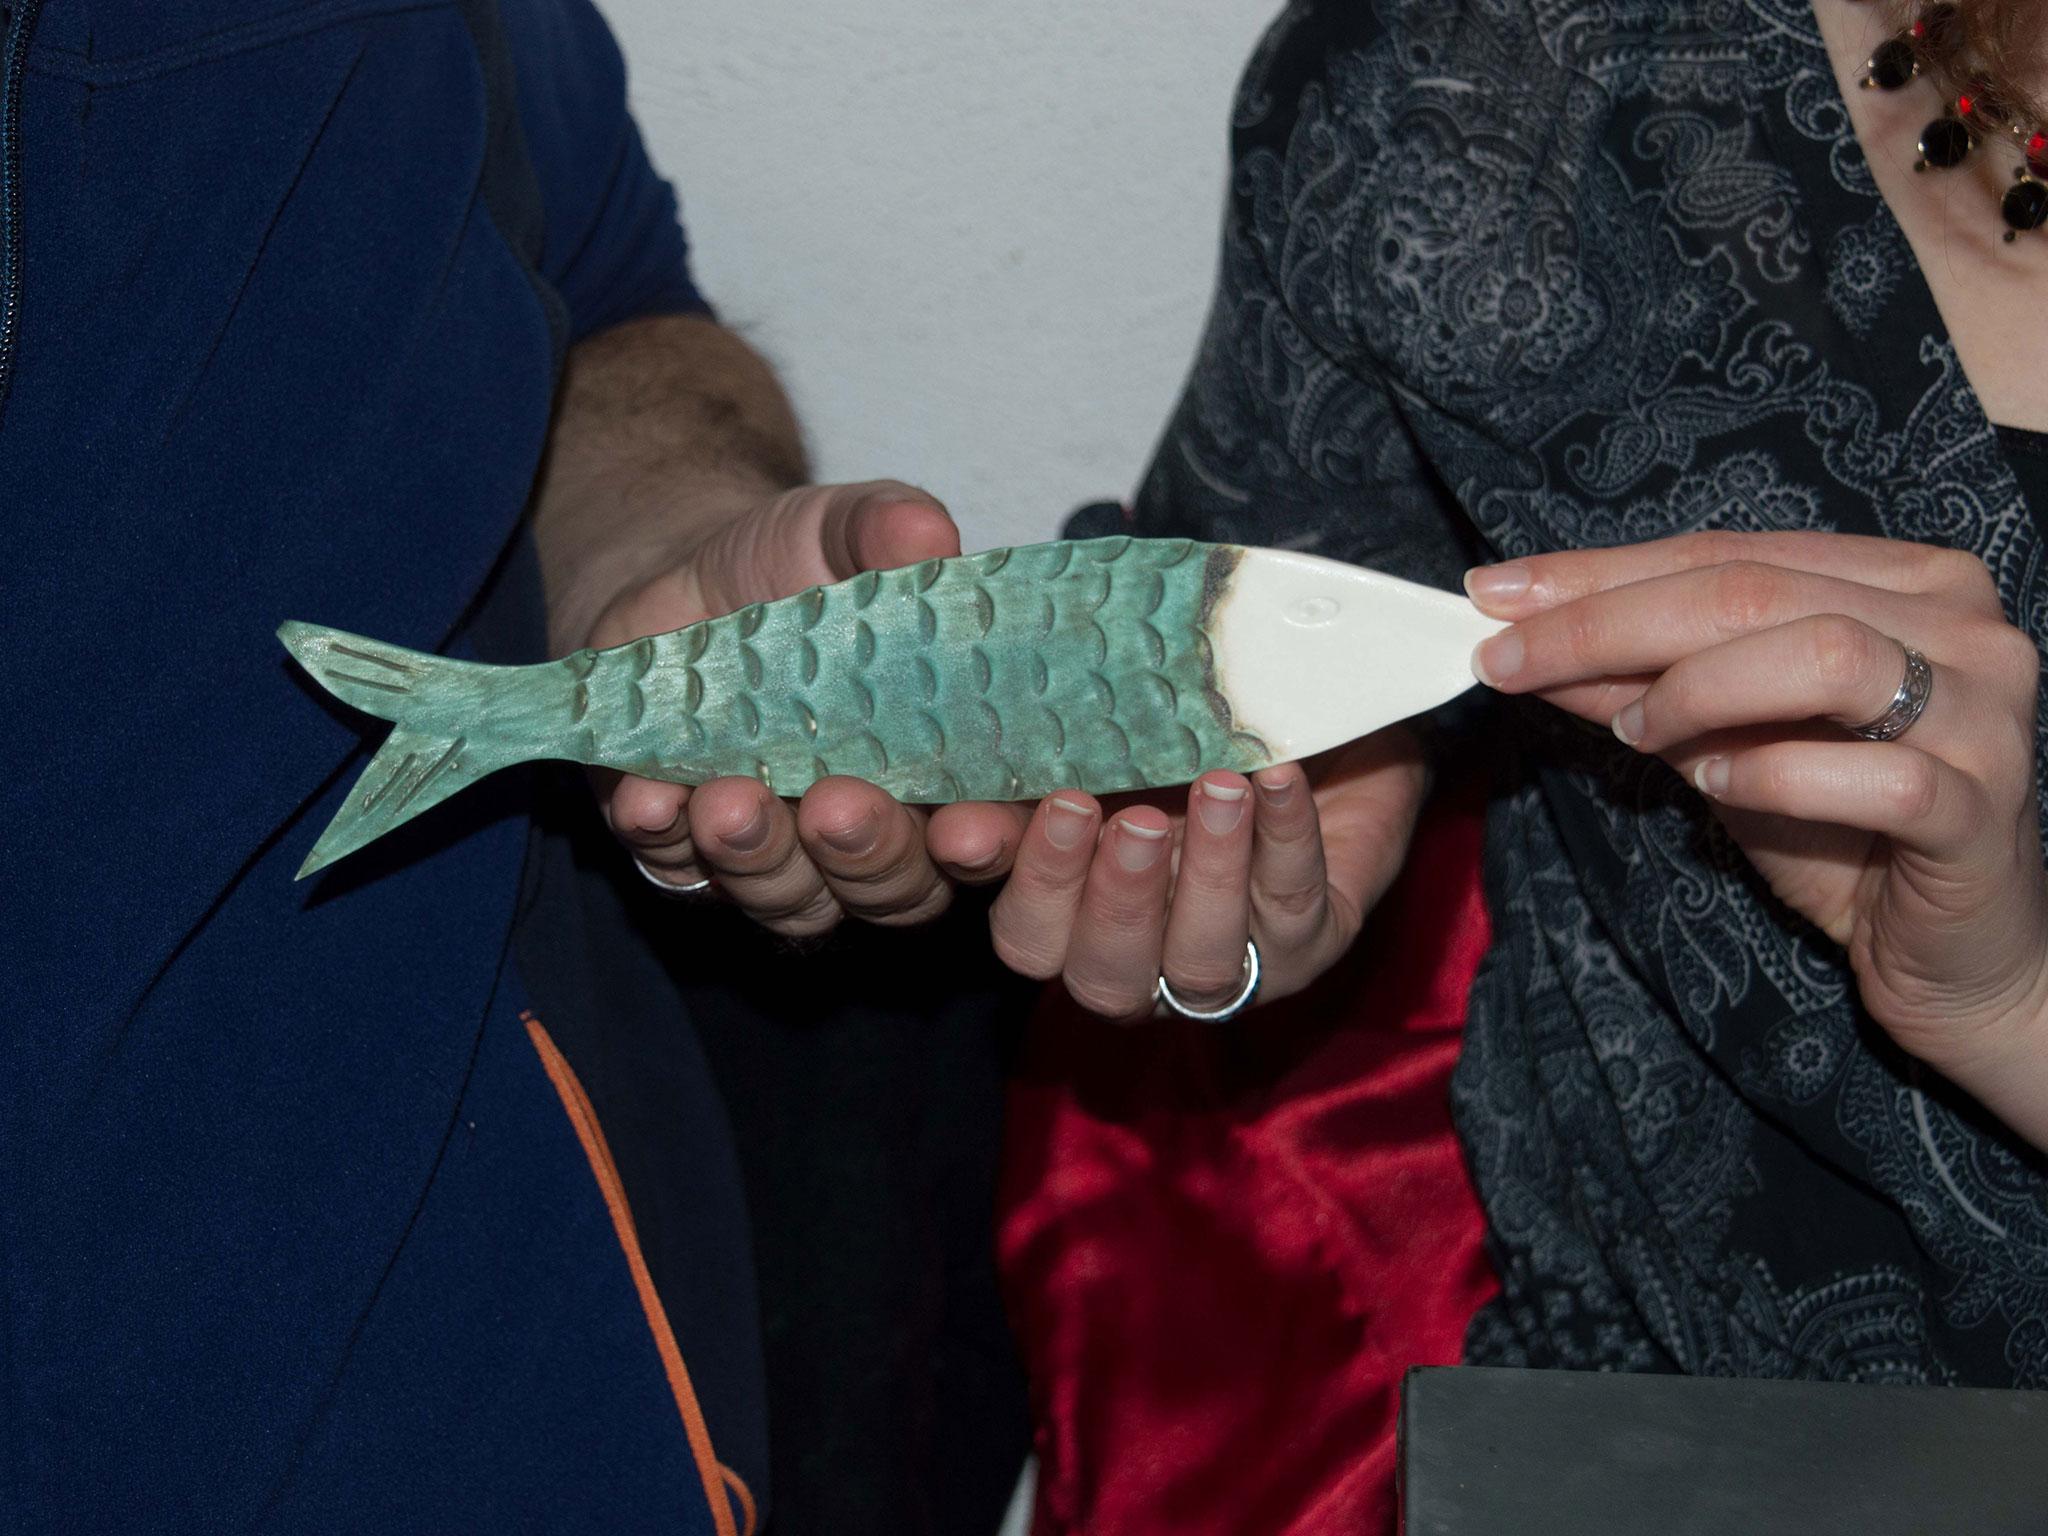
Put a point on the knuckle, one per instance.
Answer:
(2003, 768)
(1204, 981)
(912, 909)
(1780, 779)
(1716, 546)
(1912, 789)
(789, 872)
(1965, 572)
(1742, 595)
(1842, 651)
(2014, 657)
(1106, 998)
(1291, 902)
(1209, 881)
(1030, 949)
(1124, 919)
(784, 898)
(810, 920)
(875, 873)
(1584, 631)
(1036, 875)
(682, 855)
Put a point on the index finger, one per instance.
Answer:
(1537, 582)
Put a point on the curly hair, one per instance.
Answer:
(1996, 49)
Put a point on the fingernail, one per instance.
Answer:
(975, 866)
(1276, 792)
(1221, 807)
(751, 835)
(1067, 823)
(856, 839)
(1496, 583)
(1711, 777)
(1628, 724)
(652, 830)
(1499, 659)
(1138, 848)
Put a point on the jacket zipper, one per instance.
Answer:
(12, 68)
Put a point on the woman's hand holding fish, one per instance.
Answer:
(847, 849)
(1739, 659)
(1109, 897)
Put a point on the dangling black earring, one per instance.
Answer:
(1948, 140)
(1944, 143)
(1933, 45)
(1894, 64)
(2025, 204)
(1898, 59)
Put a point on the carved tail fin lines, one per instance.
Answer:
(427, 757)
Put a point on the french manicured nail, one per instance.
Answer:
(1276, 792)
(856, 839)
(1499, 659)
(1221, 807)
(1712, 777)
(751, 835)
(1496, 583)
(1067, 823)
(1628, 724)
(1138, 848)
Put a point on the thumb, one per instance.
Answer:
(816, 535)
(881, 525)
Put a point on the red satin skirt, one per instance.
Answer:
(1222, 1248)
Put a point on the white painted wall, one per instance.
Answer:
(976, 237)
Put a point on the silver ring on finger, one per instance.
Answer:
(1162, 993)
(1907, 705)
(670, 889)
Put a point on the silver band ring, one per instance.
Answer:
(669, 888)
(1907, 705)
(1163, 994)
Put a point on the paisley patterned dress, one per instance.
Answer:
(1506, 276)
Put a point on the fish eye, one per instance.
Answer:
(1312, 612)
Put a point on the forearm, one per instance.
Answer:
(665, 429)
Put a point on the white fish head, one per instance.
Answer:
(1312, 653)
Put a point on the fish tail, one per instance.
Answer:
(440, 742)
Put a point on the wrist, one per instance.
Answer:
(2013, 1082)
(2015, 1040)
(1999, 1053)
(666, 429)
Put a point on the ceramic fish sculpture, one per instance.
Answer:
(1105, 665)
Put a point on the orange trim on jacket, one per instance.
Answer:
(716, 1476)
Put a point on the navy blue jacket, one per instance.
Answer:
(302, 1225)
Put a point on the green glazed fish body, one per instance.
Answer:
(1001, 676)
(997, 676)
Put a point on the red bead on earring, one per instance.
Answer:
(2025, 204)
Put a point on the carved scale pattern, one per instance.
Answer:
(998, 676)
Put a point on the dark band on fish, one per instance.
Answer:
(1217, 572)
